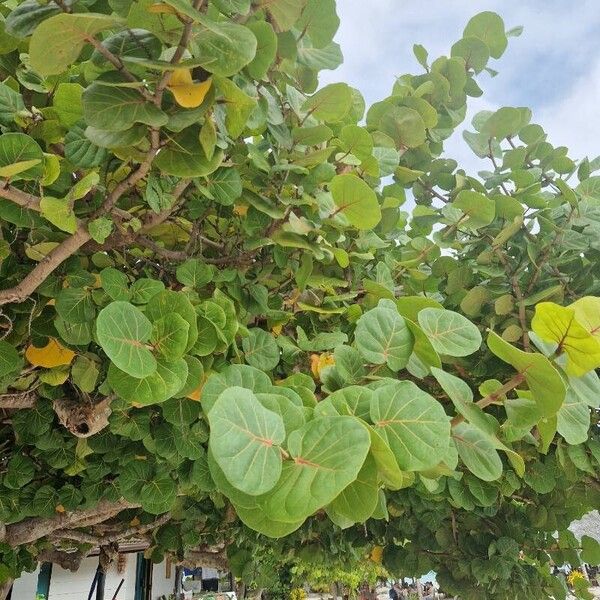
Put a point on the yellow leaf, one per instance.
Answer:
(319, 361)
(558, 324)
(134, 522)
(187, 93)
(276, 329)
(161, 8)
(241, 210)
(53, 354)
(60, 509)
(377, 554)
(587, 313)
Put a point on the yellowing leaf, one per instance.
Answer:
(558, 324)
(319, 361)
(240, 210)
(376, 554)
(18, 167)
(134, 522)
(197, 393)
(60, 509)
(276, 329)
(161, 8)
(587, 313)
(53, 354)
(187, 93)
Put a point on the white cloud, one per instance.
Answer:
(547, 68)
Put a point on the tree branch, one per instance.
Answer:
(35, 528)
(68, 247)
(511, 384)
(19, 197)
(25, 399)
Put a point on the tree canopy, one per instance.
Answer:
(227, 329)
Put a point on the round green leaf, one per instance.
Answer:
(225, 48)
(358, 500)
(489, 28)
(382, 337)
(477, 451)
(244, 439)
(184, 156)
(164, 383)
(118, 108)
(475, 52)
(123, 332)
(413, 423)
(356, 200)
(261, 349)
(57, 42)
(170, 336)
(234, 375)
(478, 209)
(404, 125)
(326, 456)
(266, 50)
(449, 332)
(331, 103)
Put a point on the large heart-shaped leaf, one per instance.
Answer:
(57, 42)
(245, 439)
(358, 500)
(326, 456)
(413, 423)
(118, 108)
(355, 199)
(166, 381)
(559, 324)
(261, 349)
(449, 332)
(225, 48)
(331, 103)
(123, 332)
(382, 336)
(477, 451)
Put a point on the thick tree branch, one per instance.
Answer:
(19, 197)
(33, 529)
(68, 247)
(19, 400)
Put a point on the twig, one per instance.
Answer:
(511, 384)
(493, 159)
(179, 51)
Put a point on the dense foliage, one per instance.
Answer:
(222, 333)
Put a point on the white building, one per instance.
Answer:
(132, 575)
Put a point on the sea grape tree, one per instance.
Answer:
(224, 331)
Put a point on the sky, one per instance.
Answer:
(553, 67)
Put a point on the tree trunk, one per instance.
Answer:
(5, 589)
